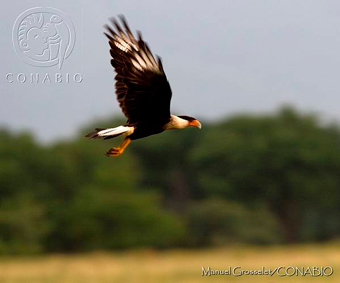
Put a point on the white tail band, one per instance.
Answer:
(116, 131)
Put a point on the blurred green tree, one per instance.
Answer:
(166, 167)
(255, 179)
(288, 163)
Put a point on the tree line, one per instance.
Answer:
(260, 179)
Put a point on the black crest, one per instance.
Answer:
(188, 118)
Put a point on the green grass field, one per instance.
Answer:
(179, 266)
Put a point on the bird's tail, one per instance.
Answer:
(110, 132)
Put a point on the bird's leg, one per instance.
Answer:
(115, 151)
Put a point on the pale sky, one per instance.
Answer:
(220, 57)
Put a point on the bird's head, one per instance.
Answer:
(193, 122)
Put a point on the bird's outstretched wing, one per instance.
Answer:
(142, 89)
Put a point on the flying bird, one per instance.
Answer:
(142, 90)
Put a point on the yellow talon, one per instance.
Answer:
(116, 151)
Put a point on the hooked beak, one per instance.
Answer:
(196, 124)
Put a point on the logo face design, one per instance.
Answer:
(43, 37)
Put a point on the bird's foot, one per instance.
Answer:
(116, 151)
(113, 152)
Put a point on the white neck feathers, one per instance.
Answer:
(176, 123)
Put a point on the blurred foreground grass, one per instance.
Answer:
(169, 266)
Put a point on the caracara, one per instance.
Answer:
(142, 90)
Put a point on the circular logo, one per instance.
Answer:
(43, 37)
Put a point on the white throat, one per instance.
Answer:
(176, 123)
